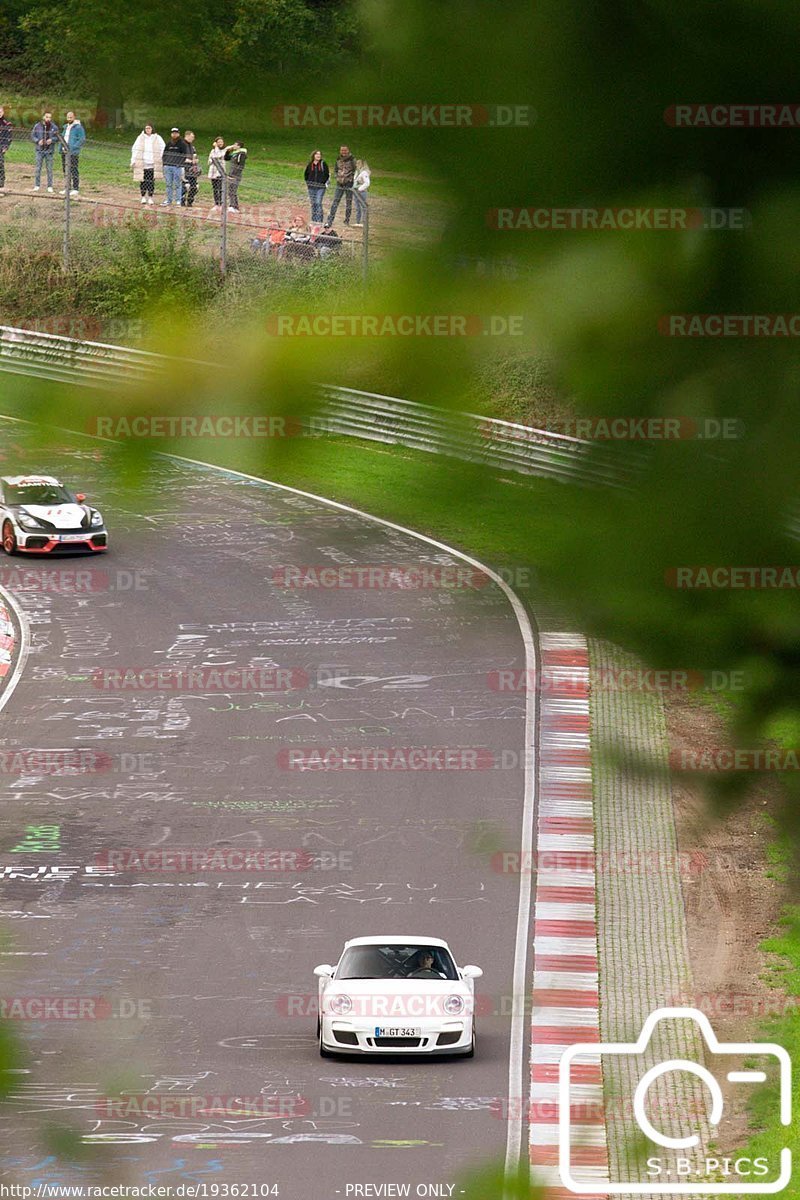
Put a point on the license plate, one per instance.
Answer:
(72, 537)
(403, 1031)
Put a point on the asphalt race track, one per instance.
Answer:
(212, 971)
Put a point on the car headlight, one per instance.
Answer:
(453, 1006)
(28, 522)
(340, 1005)
(97, 518)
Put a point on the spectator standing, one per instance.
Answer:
(191, 171)
(216, 170)
(174, 160)
(44, 137)
(147, 155)
(344, 173)
(236, 155)
(6, 134)
(360, 188)
(316, 176)
(73, 136)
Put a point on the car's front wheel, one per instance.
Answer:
(9, 538)
(471, 1052)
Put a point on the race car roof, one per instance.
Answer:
(17, 480)
(396, 940)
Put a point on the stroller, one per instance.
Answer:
(327, 242)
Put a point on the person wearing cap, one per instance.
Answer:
(174, 160)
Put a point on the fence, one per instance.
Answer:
(344, 412)
(273, 200)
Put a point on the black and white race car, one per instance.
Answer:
(39, 515)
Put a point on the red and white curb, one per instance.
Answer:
(565, 979)
(8, 639)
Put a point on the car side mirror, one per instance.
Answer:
(324, 971)
(80, 497)
(471, 972)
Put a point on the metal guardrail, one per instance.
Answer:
(344, 412)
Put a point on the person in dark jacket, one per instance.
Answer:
(344, 173)
(6, 133)
(191, 171)
(174, 160)
(236, 155)
(316, 177)
(44, 136)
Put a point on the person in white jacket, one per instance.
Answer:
(361, 184)
(147, 154)
(216, 170)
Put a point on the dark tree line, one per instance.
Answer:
(114, 49)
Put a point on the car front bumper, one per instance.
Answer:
(42, 541)
(341, 1035)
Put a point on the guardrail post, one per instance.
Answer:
(65, 149)
(67, 204)
(365, 243)
(223, 250)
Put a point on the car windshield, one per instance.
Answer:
(36, 493)
(416, 961)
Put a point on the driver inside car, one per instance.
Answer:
(425, 965)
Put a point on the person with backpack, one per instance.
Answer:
(174, 159)
(191, 171)
(44, 136)
(6, 135)
(147, 158)
(236, 155)
(361, 184)
(216, 170)
(316, 176)
(344, 173)
(73, 136)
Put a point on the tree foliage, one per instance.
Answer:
(167, 49)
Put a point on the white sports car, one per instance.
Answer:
(39, 515)
(396, 995)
